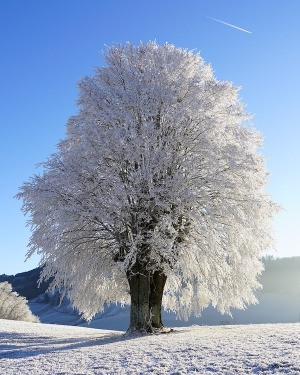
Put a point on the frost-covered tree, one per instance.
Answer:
(156, 193)
(13, 306)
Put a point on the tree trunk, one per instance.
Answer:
(139, 283)
(158, 281)
(146, 290)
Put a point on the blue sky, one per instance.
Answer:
(47, 46)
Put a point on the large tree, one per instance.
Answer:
(156, 193)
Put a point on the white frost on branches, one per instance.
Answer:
(159, 156)
(13, 306)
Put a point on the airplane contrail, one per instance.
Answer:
(229, 24)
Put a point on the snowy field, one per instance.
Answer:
(29, 348)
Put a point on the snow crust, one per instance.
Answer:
(28, 348)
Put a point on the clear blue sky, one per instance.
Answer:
(47, 46)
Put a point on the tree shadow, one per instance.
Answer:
(21, 345)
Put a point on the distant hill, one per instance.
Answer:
(279, 301)
(281, 275)
(26, 283)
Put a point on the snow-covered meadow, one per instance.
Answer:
(29, 348)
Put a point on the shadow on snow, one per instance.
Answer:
(21, 345)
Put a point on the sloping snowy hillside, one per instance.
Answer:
(28, 348)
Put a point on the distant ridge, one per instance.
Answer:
(26, 283)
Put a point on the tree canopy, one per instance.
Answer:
(159, 167)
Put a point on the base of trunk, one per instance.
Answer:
(132, 331)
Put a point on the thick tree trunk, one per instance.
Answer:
(146, 290)
(158, 281)
(139, 283)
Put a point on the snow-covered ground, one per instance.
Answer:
(29, 348)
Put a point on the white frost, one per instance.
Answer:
(13, 306)
(159, 157)
(31, 349)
